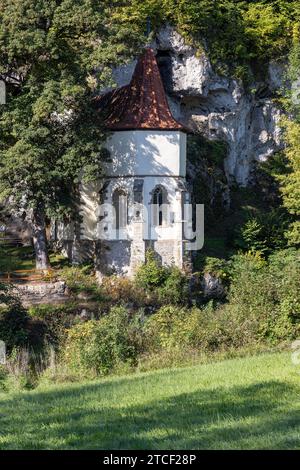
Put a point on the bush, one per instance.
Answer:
(174, 328)
(165, 284)
(262, 308)
(217, 267)
(117, 289)
(81, 281)
(175, 289)
(55, 320)
(151, 274)
(13, 321)
(165, 329)
(264, 232)
(264, 297)
(98, 347)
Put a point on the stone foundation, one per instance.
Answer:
(113, 257)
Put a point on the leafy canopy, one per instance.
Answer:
(54, 55)
(290, 181)
(235, 33)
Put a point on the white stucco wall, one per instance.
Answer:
(140, 162)
(142, 153)
(169, 231)
(172, 230)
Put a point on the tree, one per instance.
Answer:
(54, 55)
(290, 182)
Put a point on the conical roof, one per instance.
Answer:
(142, 104)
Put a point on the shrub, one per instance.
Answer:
(175, 289)
(97, 347)
(217, 267)
(264, 232)
(13, 322)
(165, 329)
(263, 308)
(151, 274)
(263, 301)
(55, 320)
(174, 328)
(165, 284)
(117, 289)
(81, 280)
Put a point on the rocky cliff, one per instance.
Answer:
(217, 107)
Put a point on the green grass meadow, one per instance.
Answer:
(244, 403)
(14, 258)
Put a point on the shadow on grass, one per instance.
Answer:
(256, 416)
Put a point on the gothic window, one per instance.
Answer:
(120, 205)
(159, 206)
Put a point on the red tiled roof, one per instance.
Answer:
(142, 104)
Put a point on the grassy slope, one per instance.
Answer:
(234, 404)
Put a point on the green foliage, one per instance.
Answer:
(54, 57)
(264, 232)
(216, 266)
(81, 280)
(99, 347)
(262, 307)
(290, 179)
(236, 33)
(13, 320)
(179, 329)
(167, 284)
(151, 274)
(166, 328)
(54, 321)
(200, 148)
(290, 182)
(15, 258)
(209, 182)
(175, 289)
(264, 296)
(118, 289)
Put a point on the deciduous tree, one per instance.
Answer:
(54, 55)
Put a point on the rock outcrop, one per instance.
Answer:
(219, 108)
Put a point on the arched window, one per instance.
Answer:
(120, 205)
(159, 206)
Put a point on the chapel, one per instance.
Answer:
(139, 203)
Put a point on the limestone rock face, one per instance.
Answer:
(219, 108)
(212, 286)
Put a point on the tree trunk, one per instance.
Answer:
(40, 240)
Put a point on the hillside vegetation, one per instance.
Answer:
(240, 37)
